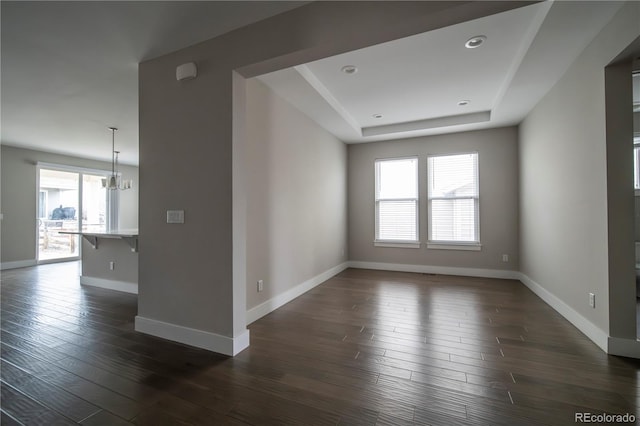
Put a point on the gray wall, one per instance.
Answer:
(297, 196)
(620, 199)
(498, 172)
(95, 262)
(563, 180)
(19, 198)
(190, 274)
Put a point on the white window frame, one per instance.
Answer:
(378, 242)
(636, 163)
(43, 201)
(474, 245)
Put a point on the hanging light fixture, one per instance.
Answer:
(114, 181)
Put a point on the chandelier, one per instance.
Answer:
(115, 181)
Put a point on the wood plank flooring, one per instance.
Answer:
(364, 348)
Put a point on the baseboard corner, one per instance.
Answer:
(274, 303)
(594, 333)
(225, 345)
(629, 348)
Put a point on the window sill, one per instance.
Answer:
(397, 244)
(637, 192)
(454, 246)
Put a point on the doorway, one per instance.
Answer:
(70, 200)
(636, 169)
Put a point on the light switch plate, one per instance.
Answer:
(175, 216)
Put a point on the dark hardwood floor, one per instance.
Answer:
(364, 348)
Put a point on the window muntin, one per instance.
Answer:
(453, 198)
(396, 198)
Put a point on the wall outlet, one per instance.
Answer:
(260, 285)
(505, 257)
(592, 300)
(112, 266)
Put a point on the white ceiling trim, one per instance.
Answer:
(527, 40)
(428, 123)
(403, 81)
(396, 128)
(326, 94)
(529, 50)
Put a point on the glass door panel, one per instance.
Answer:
(58, 210)
(94, 204)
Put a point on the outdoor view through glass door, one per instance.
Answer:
(68, 201)
(94, 204)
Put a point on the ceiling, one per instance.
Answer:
(69, 70)
(412, 87)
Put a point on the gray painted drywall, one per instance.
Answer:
(187, 273)
(498, 171)
(620, 201)
(297, 196)
(563, 179)
(19, 197)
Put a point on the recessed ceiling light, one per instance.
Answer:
(377, 115)
(474, 42)
(349, 69)
(464, 102)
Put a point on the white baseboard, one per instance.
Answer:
(624, 347)
(274, 303)
(232, 346)
(598, 336)
(18, 264)
(199, 338)
(444, 270)
(109, 284)
(286, 297)
(612, 345)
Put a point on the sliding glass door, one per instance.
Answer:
(58, 211)
(94, 204)
(70, 200)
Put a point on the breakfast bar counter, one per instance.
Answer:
(110, 259)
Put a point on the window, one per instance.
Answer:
(453, 201)
(636, 163)
(397, 202)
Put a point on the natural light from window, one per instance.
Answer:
(453, 192)
(636, 162)
(397, 200)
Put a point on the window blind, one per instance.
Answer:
(397, 200)
(453, 193)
